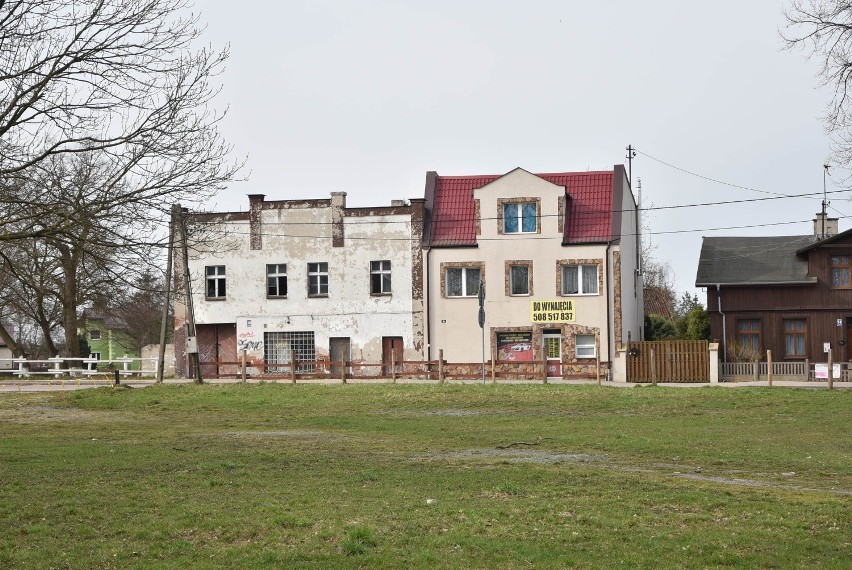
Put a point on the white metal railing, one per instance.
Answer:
(61, 366)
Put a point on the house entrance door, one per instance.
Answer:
(552, 346)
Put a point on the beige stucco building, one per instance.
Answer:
(558, 256)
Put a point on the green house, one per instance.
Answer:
(107, 336)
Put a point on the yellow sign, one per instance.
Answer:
(558, 311)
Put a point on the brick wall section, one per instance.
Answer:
(617, 330)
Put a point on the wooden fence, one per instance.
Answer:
(668, 361)
(803, 371)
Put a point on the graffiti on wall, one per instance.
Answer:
(247, 342)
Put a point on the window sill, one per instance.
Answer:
(519, 295)
(276, 296)
(215, 298)
(461, 297)
(381, 294)
(580, 295)
(318, 296)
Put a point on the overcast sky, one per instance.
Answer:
(366, 96)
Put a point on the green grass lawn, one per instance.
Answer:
(405, 476)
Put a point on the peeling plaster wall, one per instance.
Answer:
(302, 232)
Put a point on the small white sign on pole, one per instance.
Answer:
(821, 371)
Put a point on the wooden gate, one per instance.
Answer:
(668, 361)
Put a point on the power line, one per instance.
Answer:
(587, 212)
(517, 237)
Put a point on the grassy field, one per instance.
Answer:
(403, 476)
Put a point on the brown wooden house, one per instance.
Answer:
(788, 294)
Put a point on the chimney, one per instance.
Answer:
(824, 227)
(255, 231)
(338, 204)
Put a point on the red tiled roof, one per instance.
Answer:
(589, 211)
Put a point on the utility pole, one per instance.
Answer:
(824, 202)
(161, 361)
(482, 322)
(190, 312)
(631, 154)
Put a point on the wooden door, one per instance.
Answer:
(339, 350)
(391, 353)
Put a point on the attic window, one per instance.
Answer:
(95, 334)
(518, 215)
(840, 272)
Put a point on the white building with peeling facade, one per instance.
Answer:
(306, 278)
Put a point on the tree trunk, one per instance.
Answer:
(48, 339)
(69, 302)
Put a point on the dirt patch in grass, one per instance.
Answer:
(41, 414)
(545, 457)
(301, 434)
(512, 456)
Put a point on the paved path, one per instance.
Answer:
(16, 385)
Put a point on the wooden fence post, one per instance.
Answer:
(440, 366)
(243, 364)
(830, 370)
(493, 365)
(653, 368)
(755, 368)
(807, 369)
(292, 365)
(544, 367)
(769, 367)
(393, 365)
(343, 371)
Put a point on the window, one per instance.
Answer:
(215, 281)
(795, 336)
(585, 345)
(519, 279)
(840, 272)
(579, 279)
(748, 334)
(318, 279)
(281, 347)
(463, 281)
(380, 277)
(276, 280)
(520, 218)
(95, 334)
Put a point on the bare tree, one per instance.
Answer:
(119, 78)
(823, 29)
(28, 277)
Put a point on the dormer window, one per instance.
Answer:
(520, 218)
(840, 272)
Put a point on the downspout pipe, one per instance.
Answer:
(724, 325)
(609, 322)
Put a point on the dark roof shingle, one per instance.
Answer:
(753, 260)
